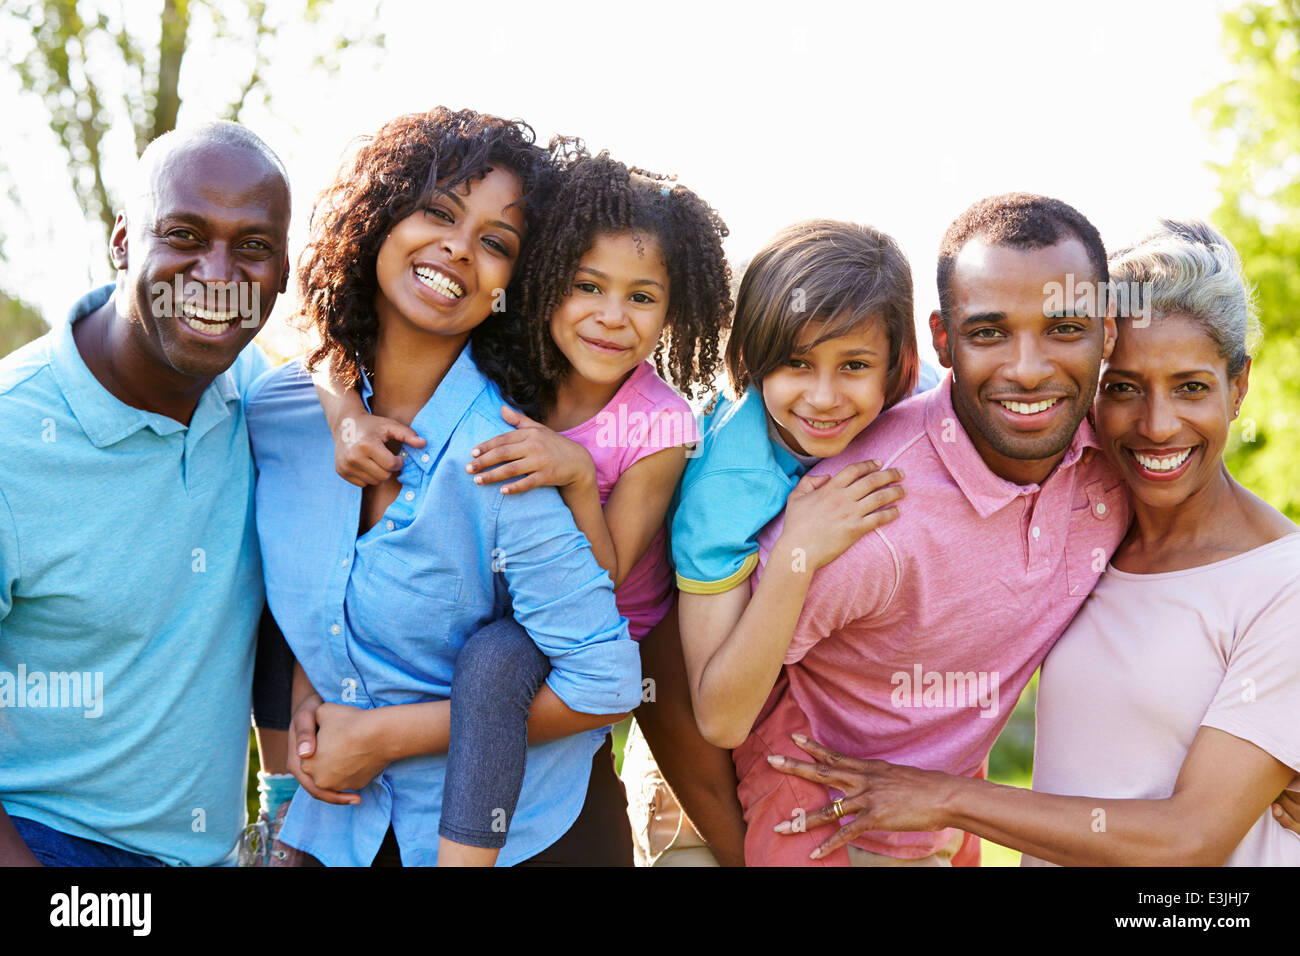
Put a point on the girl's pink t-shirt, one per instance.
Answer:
(644, 416)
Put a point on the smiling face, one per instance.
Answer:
(443, 267)
(824, 395)
(1024, 371)
(215, 222)
(1165, 407)
(612, 317)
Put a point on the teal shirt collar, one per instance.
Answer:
(105, 418)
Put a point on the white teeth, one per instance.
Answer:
(437, 281)
(207, 321)
(1021, 408)
(207, 328)
(191, 310)
(823, 426)
(1161, 464)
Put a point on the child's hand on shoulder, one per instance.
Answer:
(364, 448)
(826, 514)
(532, 450)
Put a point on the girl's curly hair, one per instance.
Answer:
(596, 195)
(390, 175)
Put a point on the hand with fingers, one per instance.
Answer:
(347, 755)
(366, 448)
(534, 451)
(1286, 810)
(877, 794)
(826, 514)
(302, 748)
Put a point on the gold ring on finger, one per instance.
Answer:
(838, 807)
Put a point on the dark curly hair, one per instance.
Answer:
(595, 195)
(389, 176)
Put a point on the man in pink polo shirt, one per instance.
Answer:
(914, 644)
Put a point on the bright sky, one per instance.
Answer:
(898, 115)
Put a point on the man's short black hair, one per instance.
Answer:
(1022, 221)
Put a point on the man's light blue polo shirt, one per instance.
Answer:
(379, 619)
(130, 591)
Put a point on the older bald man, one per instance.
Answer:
(130, 581)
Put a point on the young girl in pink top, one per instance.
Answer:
(624, 265)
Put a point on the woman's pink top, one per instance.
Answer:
(644, 416)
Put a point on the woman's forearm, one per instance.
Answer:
(1081, 831)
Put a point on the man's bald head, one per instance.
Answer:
(159, 154)
(201, 248)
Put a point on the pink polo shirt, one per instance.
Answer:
(914, 645)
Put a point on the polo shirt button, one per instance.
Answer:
(343, 563)
(389, 524)
(410, 496)
(1035, 532)
(1101, 507)
(335, 629)
(424, 458)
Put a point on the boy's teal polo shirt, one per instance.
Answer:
(130, 591)
(737, 482)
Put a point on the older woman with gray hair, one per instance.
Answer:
(1169, 711)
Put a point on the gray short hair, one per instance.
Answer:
(1187, 267)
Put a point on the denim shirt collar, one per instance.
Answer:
(444, 410)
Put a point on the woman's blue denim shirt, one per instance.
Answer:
(378, 619)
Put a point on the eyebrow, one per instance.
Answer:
(1194, 373)
(600, 275)
(979, 317)
(499, 223)
(847, 353)
(261, 227)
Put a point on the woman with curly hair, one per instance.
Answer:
(625, 265)
(377, 589)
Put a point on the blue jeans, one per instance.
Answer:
(55, 848)
(498, 672)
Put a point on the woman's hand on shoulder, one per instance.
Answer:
(534, 451)
(826, 514)
(363, 448)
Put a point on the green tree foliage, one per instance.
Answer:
(19, 324)
(1258, 114)
(101, 67)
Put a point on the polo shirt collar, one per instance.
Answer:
(986, 492)
(104, 417)
(435, 422)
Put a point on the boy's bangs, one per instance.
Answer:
(834, 324)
